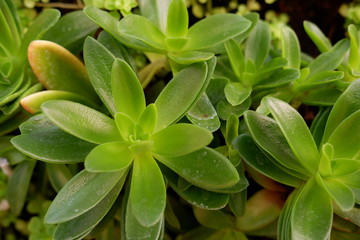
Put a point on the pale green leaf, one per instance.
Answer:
(177, 19)
(236, 93)
(127, 91)
(236, 57)
(109, 157)
(125, 125)
(290, 47)
(317, 36)
(180, 139)
(148, 192)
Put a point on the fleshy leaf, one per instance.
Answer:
(313, 204)
(253, 156)
(127, 91)
(347, 104)
(346, 137)
(139, 33)
(190, 57)
(327, 154)
(215, 29)
(125, 125)
(296, 133)
(148, 118)
(236, 57)
(58, 69)
(317, 36)
(73, 200)
(41, 139)
(177, 19)
(109, 157)
(81, 121)
(258, 44)
(342, 194)
(290, 47)
(98, 62)
(341, 167)
(82, 224)
(267, 134)
(204, 168)
(148, 192)
(236, 93)
(214, 219)
(156, 11)
(33, 102)
(180, 93)
(185, 138)
(59, 175)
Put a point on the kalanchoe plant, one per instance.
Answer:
(323, 167)
(126, 144)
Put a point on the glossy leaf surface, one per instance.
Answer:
(81, 121)
(147, 192)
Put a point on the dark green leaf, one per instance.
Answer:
(41, 139)
(81, 121)
(253, 156)
(109, 157)
(74, 199)
(296, 133)
(81, 225)
(98, 62)
(225, 109)
(236, 93)
(215, 219)
(204, 168)
(59, 175)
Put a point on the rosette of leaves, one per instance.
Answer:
(252, 68)
(131, 144)
(16, 77)
(321, 165)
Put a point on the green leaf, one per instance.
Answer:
(331, 59)
(327, 154)
(177, 19)
(278, 79)
(232, 129)
(71, 30)
(127, 91)
(41, 24)
(135, 230)
(215, 29)
(267, 134)
(253, 156)
(148, 192)
(320, 78)
(296, 133)
(180, 94)
(341, 167)
(236, 93)
(59, 175)
(185, 138)
(346, 137)
(203, 114)
(205, 168)
(41, 139)
(190, 57)
(317, 36)
(354, 59)
(236, 57)
(109, 157)
(125, 125)
(58, 69)
(284, 225)
(262, 209)
(313, 204)
(321, 97)
(347, 104)
(196, 196)
(155, 11)
(138, 32)
(17, 187)
(258, 44)
(318, 124)
(290, 47)
(74, 199)
(98, 62)
(225, 109)
(148, 118)
(81, 225)
(342, 194)
(81, 121)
